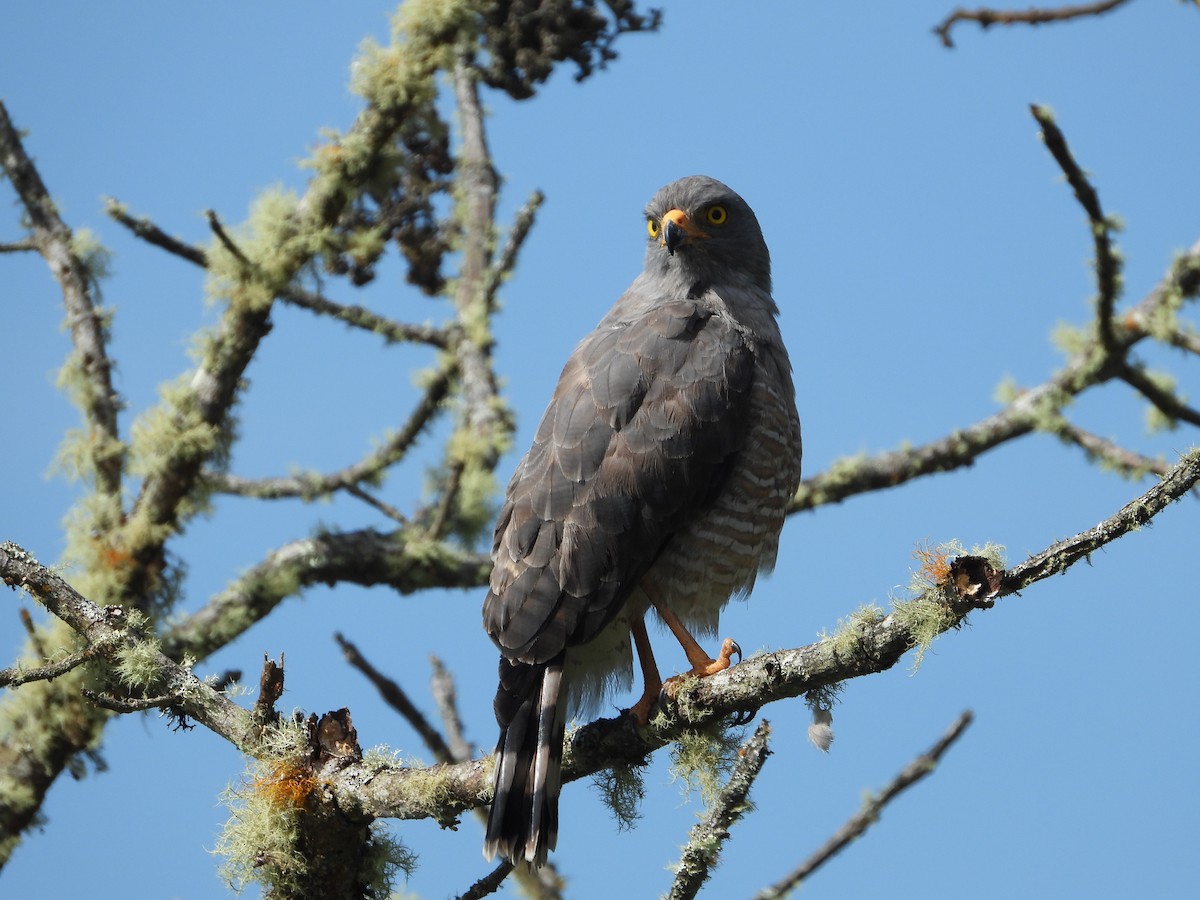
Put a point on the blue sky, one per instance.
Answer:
(924, 247)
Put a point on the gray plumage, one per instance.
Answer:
(660, 472)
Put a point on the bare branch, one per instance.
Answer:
(988, 17)
(1181, 478)
(218, 229)
(367, 320)
(375, 503)
(446, 697)
(127, 705)
(19, 247)
(486, 426)
(1163, 400)
(706, 838)
(920, 767)
(1108, 265)
(396, 697)
(489, 883)
(150, 233)
(521, 226)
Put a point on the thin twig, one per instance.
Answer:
(150, 233)
(312, 486)
(397, 699)
(708, 836)
(1108, 264)
(1127, 462)
(129, 704)
(214, 222)
(857, 824)
(988, 17)
(19, 247)
(374, 502)
(19, 675)
(1163, 400)
(517, 234)
(367, 320)
(446, 697)
(489, 883)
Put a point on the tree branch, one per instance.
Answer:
(145, 229)
(396, 697)
(395, 559)
(55, 241)
(109, 635)
(1108, 265)
(706, 838)
(312, 486)
(1109, 453)
(857, 825)
(1031, 410)
(19, 675)
(988, 17)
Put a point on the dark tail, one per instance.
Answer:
(523, 823)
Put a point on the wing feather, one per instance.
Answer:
(643, 426)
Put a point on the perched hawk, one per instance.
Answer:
(658, 478)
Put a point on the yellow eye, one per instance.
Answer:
(652, 227)
(716, 215)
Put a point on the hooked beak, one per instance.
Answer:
(677, 229)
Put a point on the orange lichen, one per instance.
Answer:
(288, 786)
(934, 563)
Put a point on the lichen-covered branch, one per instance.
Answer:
(113, 632)
(1091, 363)
(708, 836)
(391, 451)
(18, 675)
(399, 559)
(89, 372)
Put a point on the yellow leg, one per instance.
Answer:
(702, 664)
(650, 675)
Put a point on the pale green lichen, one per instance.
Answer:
(847, 634)
(929, 612)
(1156, 419)
(702, 760)
(1006, 391)
(1071, 340)
(622, 788)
